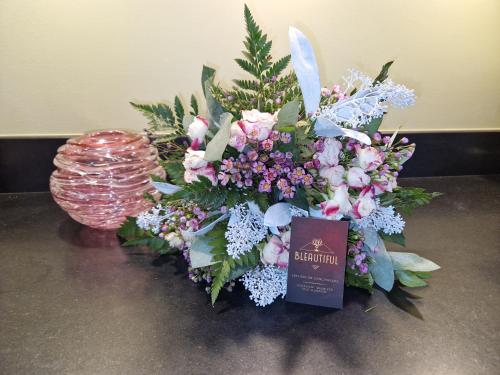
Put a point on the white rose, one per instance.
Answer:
(194, 159)
(329, 157)
(195, 166)
(257, 125)
(334, 175)
(175, 240)
(197, 131)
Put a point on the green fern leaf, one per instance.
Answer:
(179, 110)
(194, 106)
(160, 115)
(247, 84)
(248, 67)
(278, 67)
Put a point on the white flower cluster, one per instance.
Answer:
(368, 102)
(244, 230)
(152, 219)
(265, 284)
(383, 218)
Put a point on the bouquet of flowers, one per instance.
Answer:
(275, 146)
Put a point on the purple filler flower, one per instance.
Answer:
(265, 186)
(363, 268)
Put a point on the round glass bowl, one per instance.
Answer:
(101, 177)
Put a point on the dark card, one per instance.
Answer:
(317, 262)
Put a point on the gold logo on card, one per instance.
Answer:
(316, 252)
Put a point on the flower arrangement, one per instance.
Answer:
(275, 146)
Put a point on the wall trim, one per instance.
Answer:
(26, 163)
(402, 131)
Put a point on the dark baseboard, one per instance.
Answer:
(26, 164)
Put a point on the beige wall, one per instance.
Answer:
(68, 66)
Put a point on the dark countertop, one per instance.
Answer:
(72, 301)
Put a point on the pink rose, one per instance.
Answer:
(237, 139)
(365, 203)
(357, 178)
(196, 131)
(275, 252)
(195, 166)
(256, 125)
(369, 158)
(339, 205)
(329, 156)
(334, 175)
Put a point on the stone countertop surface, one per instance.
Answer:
(73, 301)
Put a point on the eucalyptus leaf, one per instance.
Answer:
(186, 121)
(409, 279)
(397, 238)
(207, 74)
(324, 127)
(306, 69)
(215, 148)
(412, 262)
(278, 215)
(289, 113)
(199, 253)
(166, 188)
(214, 108)
(382, 269)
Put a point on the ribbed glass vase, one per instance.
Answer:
(101, 177)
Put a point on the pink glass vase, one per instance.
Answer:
(101, 177)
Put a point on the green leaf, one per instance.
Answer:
(137, 242)
(423, 275)
(175, 172)
(194, 106)
(373, 126)
(186, 121)
(247, 84)
(409, 279)
(364, 281)
(397, 238)
(200, 252)
(412, 262)
(384, 73)
(381, 268)
(179, 109)
(160, 116)
(288, 115)
(278, 67)
(406, 199)
(215, 148)
(207, 75)
(248, 67)
(129, 230)
(221, 277)
(157, 244)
